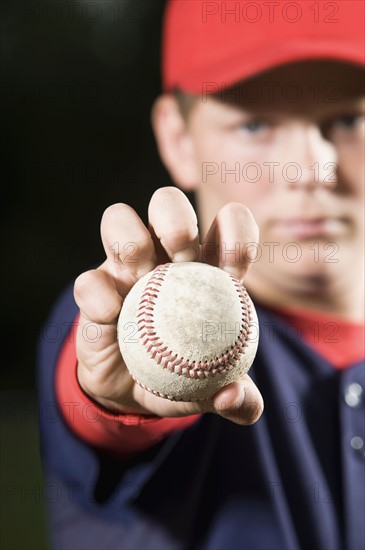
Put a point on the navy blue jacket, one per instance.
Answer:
(293, 480)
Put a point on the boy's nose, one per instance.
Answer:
(314, 158)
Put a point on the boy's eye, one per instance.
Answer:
(347, 121)
(345, 127)
(253, 126)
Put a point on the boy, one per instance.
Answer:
(263, 118)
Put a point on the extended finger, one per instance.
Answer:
(97, 297)
(101, 369)
(128, 244)
(232, 240)
(174, 223)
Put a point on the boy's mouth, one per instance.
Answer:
(302, 228)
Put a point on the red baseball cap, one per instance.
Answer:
(226, 42)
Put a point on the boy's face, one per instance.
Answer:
(290, 146)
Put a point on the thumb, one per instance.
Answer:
(240, 402)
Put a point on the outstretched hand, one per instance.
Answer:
(132, 250)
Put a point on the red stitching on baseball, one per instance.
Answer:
(165, 357)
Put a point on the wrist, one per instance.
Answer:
(109, 405)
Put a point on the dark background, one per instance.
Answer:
(78, 80)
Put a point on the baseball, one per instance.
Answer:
(186, 330)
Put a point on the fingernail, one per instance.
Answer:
(186, 255)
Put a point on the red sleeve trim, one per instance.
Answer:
(121, 436)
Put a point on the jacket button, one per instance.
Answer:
(353, 394)
(357, 443)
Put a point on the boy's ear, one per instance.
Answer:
(174, 142)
